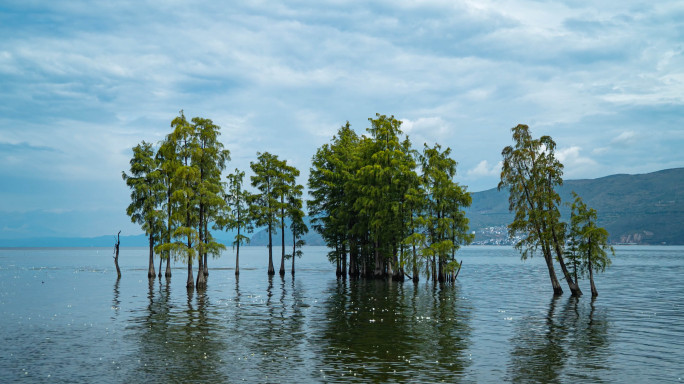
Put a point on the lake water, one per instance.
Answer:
(64, 317)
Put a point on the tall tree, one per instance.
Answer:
(589, 243)
(167, 163)
(237, 217)
(147, 193)
(209, 158)
(185, 180)
(530, 172)
(264, 205)
(284, 183)
(297, 225)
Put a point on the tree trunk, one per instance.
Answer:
(190, 284)
(116, 256)
(594, 292)
(160, 265)
(557, 290)
(294, 251)
(282, 240)
(150, 269)
(201, 278)
(167, 274)
(344, 261)
(237, 256)
(379, 267)
(206, 237)
(271, 270)
(574, 287)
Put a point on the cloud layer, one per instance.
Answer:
(84, 82)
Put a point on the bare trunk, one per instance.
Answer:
(379, 267)
(237, 259)
(271, 270)
(150, 269)
(190, 284)
(574, 288)
(201, 278)
(160, 265)
(206, 239)
(116, 256)
(167, 274)
(282, 240)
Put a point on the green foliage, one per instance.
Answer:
(588, 244)
(147, 190)
(366, 198)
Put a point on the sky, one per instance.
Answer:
(82, 82)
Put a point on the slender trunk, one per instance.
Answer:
(237, 253)
(150, 269)
(294, 252)
(116, 256)
(167, 274)
(201, 278)
(459, 270)
(379, 267)
(574, 288)
(190, 284)
(282, 238)
(338, 271)
(160, 265)
(344, 260)
(206, 237)
(271, 270)
(594, 292)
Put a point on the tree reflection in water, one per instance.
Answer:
(569, 343)
(386, 332)
(177, 344)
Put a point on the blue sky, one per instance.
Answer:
(81, 82)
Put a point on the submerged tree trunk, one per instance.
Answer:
(116, 255)
(282, 240)
(150, 269)
(294, 251)
(237, 251)
(201, 278)
(557, 290)
(160, 265)
(572, 284)
(190, 284)
(594, 292)
(271, 270)
(206, 237)
(167, 274)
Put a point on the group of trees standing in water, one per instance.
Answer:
(384, 209)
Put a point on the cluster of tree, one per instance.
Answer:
(177, 195)
(386, 207)
(531, 173)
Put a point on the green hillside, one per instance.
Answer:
(643, 209)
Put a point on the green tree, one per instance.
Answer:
(185, 180)
(531, 172)
(167, 163)
(588, 250)
(209, 158)
(147, 193)
(297, 224)
(264, 206)
(237, 217)
(283, 187)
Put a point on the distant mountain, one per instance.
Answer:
(260, 238)
(642, 209)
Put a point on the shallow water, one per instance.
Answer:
(65, 318)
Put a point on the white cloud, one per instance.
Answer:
(483, 168)
(624, 138)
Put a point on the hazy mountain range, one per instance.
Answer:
(642, 209)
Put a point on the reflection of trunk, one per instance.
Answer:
(150, 269)
(116, 256)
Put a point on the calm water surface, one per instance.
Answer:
(64, 317)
